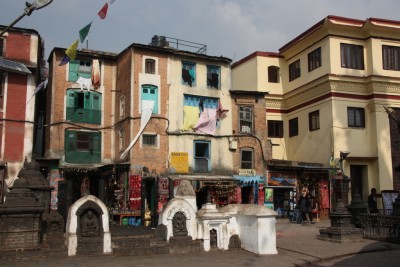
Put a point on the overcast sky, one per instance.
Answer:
(231, 28)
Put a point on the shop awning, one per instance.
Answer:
(200, 177)
(88, 167)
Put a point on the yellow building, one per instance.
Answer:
(327, 89)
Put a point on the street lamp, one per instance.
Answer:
(30, 7)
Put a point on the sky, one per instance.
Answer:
(230, 28)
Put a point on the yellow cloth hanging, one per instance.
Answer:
(190, 117)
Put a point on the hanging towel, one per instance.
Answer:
(190, 117)
(84, 82)
(96, 73)
(147, 110)
(207, 122)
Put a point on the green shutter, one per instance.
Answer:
(73, 70)
(71, 103)
(150, 92)
(96, 108)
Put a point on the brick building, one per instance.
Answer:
(22, 69)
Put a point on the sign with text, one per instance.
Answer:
(180, 162)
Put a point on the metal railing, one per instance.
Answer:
(382, 226)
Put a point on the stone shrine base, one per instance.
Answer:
(341, 235)
(185, 244)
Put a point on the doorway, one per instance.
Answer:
(356, 179)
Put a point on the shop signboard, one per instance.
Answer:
(180, 162)
(281, 179)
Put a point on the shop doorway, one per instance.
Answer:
(248, 194)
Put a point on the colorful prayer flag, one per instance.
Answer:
(103, 12)
(84, 32)
(71, 51)
(64, 61)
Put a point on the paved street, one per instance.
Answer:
(297, 246)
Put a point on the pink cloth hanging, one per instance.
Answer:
(207, 121)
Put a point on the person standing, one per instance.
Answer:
(372, 203)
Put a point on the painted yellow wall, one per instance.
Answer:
(221, 157)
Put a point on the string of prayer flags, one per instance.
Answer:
(84, 32)
(103, 12)
(71, 51)
(64, 61)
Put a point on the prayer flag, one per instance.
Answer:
(71, 51)
(64, 61)
(84, 32)
(40, 86)
(103, 12)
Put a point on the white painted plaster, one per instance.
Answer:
(72, 225)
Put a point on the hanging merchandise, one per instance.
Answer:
(135, 182)
(163, 192)
(324, 193)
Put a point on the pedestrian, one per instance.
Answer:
(305, 206)
(372, 203)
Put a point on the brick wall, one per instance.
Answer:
(260, 144)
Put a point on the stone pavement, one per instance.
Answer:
(297, 245)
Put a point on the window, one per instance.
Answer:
(189, 73)
(293, 127)
(246, 158)
(83, 106)
(121, 135)
(150, 66)
(149, 140)
(2, 81)
(391, 57)
(355, 117)
(275, 129)
(1, 47)
(150, 92)
(294, 70)
(245, 119)
(122, 107)
(79, 68)
(193, 106)
(202, 156)
(352, 56)
(314, 59)
(82, 147)
(213, 73)
(273, 74)
(313, 120)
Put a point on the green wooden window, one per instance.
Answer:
(82, 147)
(83, 106)
(150, 92)
(79, 68)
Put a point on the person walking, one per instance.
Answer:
(305, 206)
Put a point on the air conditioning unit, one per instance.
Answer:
(233, 144)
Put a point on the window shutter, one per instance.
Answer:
(150, 92)
(70, 98)
(96, 108)
(73, 70)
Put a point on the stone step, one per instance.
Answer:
(140, 251)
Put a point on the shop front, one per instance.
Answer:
(223, 190)
(285, 179)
